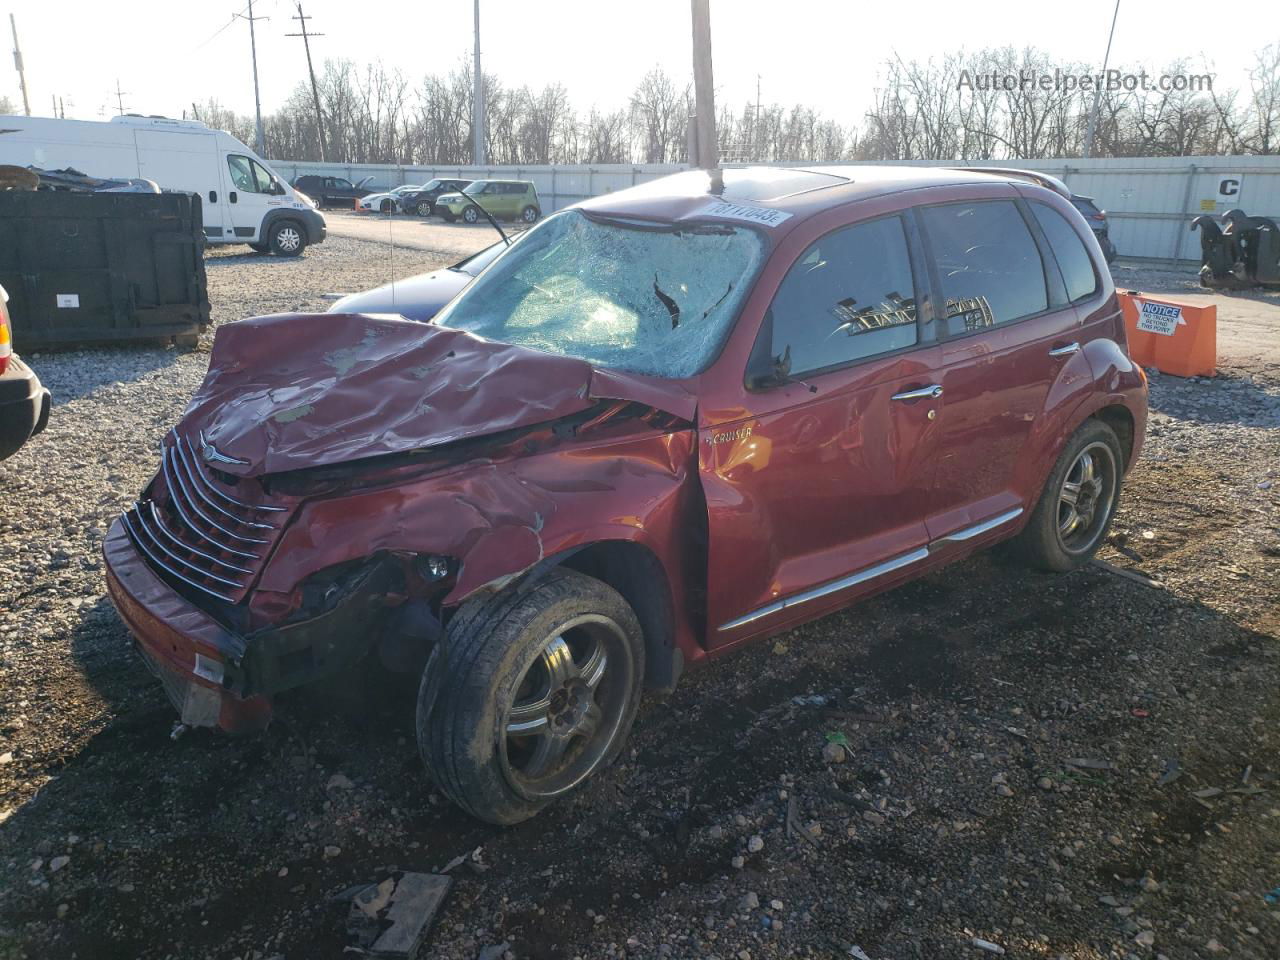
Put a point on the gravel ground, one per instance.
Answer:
(1082, 766)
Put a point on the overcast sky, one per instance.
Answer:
(167, 53)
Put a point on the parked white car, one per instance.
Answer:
(388, 202)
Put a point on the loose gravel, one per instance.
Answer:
(1082, 766)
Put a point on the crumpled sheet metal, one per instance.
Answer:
(498, 519)
(291, 391)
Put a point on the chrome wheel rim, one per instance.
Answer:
(1086, 498)
(288, 238)
(470, 215)
(567, 707)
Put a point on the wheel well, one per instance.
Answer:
(1119, 419)
(636, 573)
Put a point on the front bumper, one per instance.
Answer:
(316, 228)
(24, 406)
(193, 655)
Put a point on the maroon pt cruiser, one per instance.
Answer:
(669, 421)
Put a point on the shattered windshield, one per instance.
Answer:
(645, 298)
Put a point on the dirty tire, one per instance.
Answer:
(529, 214)
(1043, 542)
(186, 341)
(505, 651)
(471, 215)
(287, 238)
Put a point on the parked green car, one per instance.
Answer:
(504, 199)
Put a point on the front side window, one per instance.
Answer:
(656, 299)
(848, 297)
(989, 264)
(1068, 249)
(477, 188)
(248, 175)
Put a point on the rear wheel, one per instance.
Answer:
(387, 206)
(260, 247)
(287, 239)
(532, 691)
(529, 214)
(1078, 502)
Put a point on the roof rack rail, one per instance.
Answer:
(1035, 176)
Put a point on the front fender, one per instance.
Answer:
(498, 520)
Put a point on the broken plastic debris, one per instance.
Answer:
(857, 953)
(1084, 763)
(988, 946)
(390, 919)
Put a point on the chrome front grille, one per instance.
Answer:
(195, 531)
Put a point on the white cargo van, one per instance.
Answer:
(243, 200)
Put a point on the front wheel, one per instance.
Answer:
(424, 208)
(471, 215)
(533, 690)
(1078, 502)
(387, 206)
(287, 239)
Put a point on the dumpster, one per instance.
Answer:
(102, 267)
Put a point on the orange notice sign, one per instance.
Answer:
(1171, 335)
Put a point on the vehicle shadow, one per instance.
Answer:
(73, 373)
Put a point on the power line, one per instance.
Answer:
(214, 35)
(315, 93)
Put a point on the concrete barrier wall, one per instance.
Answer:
(1150, 201)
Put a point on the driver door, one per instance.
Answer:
(250, 195)
(820, 491)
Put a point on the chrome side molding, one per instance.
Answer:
(871, 573)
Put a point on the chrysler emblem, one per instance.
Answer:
(212, 454)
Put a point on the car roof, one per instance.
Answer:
(799, 192)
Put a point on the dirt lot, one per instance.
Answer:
(1083, 766)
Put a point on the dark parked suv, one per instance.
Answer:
(332, 191)
(668, 421)
(423, 202)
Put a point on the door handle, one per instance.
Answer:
(213, 196)
(1065, 350)
(231, 197)
(931, 392)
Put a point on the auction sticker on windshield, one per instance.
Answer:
(1161, 318)
(741, 211)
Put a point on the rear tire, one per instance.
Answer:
(1078, 502)
(529, 214)
(532, 691)
(260, 247)
(287, 238)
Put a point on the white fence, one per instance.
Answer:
(1150, 201)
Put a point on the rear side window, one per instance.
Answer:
(1068, 250)
(989, 265)
(850, 296)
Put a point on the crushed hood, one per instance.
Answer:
(291, 391)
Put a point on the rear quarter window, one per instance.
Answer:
(988, 263)
(1069, 250)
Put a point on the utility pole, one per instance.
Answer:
(477, 98)
(120, 97)
(260, 145)
(755, 125)
(703, 91)
(315, 93)
(1097, 94)
(17, 65)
